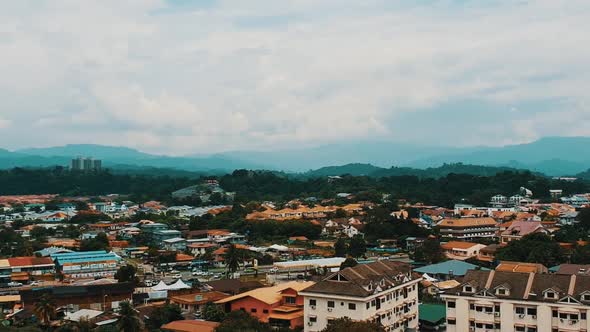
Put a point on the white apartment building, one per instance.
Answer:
(383, 292)
(512, 301)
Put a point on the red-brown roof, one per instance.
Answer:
(29, 261)
(190, 326)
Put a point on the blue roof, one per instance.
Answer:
(84, 256)
(77, 254)
(52, 251)
(459, 268)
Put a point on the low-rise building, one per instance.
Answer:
(513, 301)
(280, 305)
(22, 269)
(385, 292)
(194, 302)
(175, 244)
(468, 228)
(518, 229)
(461, 250)
(447, 270)
(86, 264)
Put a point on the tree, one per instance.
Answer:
(128, 318)
(349, 262)
(164, 315)
(533, 248)
(348, 325)
(213, 312)
(358, 246)
(100, 242)
(45, 309)
(584, 218)
(340, 247)
(240, 321)
(430, 251)
(126, 273)
(581, 255)
(233, 259)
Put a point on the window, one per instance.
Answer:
(265, 311)
(497, 308)
(519, 328)
(313, 319)
(479, 325)
(488, 309)
(574, 317)
(520, 310)
(312, 302)
(586, 297)
(253, 310)
(330, 304)
(489, 326)
(563, 316)
(550, 295)
(373, 303)
(471, 306)
(451, 304)
(468, 289)
(583, 316)
(500, 291)
(531, 329)
(352, 306)
(531, 311)
(243, 309)
(554, 313)
(451, 321)
(368, 305)
(289, 299)
(497, 326)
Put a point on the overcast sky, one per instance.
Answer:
(181, 77)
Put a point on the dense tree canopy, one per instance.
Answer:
(533, 248)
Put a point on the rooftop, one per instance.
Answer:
(458, 268)
(467, 222)
(190, 326)
(269, 295)
(364, 279)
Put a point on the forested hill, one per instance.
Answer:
(431, 172)
(264, 185)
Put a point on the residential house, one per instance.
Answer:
(194, 302)
(384, 292)
(488, 253)
(461, 250)
(513, 301)
(519, 229)
(198, 249)
(23, 269)
(280, 305)
(175, 244)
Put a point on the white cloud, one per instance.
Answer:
(266, 74)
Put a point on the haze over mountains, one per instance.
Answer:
(552, 156)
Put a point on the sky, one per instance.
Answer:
(191, 77)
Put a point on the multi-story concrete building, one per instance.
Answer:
(384, 292)
(85, 164)
(468, 228)
(514, 301)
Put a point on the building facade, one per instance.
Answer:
(384, 292)
(87, 264)
(468, 228)
(511, 301)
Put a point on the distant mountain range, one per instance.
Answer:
(552, 156)
(433, 172)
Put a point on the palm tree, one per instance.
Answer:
(44, 309)
(233, 258)
(129, 319)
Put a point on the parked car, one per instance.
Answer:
(14, 284)
(176, 276)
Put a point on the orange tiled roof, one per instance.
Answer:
(458, 245)
(190, 326)
(467, 222)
